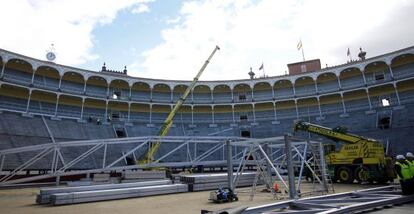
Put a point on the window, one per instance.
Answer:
(120, 134)
(242, 97)
(384, 123)
(245, 133)
(385, 102)
(379, 77)
(243, 117)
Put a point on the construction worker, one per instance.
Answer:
(402, 168)
(410, 159)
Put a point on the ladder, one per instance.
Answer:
(320, 169)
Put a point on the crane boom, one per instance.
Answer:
(165, 128)
(330, 133)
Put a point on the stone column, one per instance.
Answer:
(57, 104)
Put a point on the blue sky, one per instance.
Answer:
(171, 39)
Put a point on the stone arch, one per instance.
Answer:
(222, 94)
(242, 93)
(46, 77)
(42, 102)
(119, 89)
(70, 106)
(13, 98)
(327, 82)
(283, 88)
(402, 65)
(141, 91)
(97, 86)
(73, 82)
(161, 93)
(178, 91)
(377, 72)
(304, 86)
(351, 78)
(202, 94)
(18, 71)
(262, 91)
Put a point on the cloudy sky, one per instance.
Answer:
(171, 39)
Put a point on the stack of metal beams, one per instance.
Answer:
(71, 195)
(134, 176)
(199, 182)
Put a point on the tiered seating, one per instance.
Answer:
(46, 82)
(161, 97)
(331, 108)
(283, 93)
(352, 82)
(222, 98)
(263, 95)
(15, 76)
(96, 91)
(72, 87)
(201, 97)
(328, 86)
(403, 71)
(13, 104)
(305, 90)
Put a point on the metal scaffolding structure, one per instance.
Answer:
(187, 149)
(274, 156)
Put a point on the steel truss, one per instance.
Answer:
(76, 152)
(348, 202)
(63, 158)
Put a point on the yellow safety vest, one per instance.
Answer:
(411, 165)
(405, 171)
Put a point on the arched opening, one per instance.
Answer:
(356, 100)
(304, 86)
(160, 113)
(46, 77)
(72, 82)
(223, 114)
(18, 71)
(13, 98)
(202, 114)
(383, 96)
(327, 82)
(242, 93)
(117, 111)
(406, 91)
(243, 113)
(283, 89)
(202, 94)
(222, 94)
(351, 78)
(94, 110)
(286, 109)
(140, 113)
(69, 106)
(403, 66)
(96, 86)
(331, 104)
(178, 91)
(161, 93)
(264, 112)
(377, 72)
(262, 91)
(119, 90)
(308, 107)
(141, 91)
(42, 103)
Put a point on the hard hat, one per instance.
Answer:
(409, 155)
(400, 157)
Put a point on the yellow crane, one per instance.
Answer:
(359, 158)
(165, 128)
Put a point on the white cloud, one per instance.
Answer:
(250, 32)
(142, 8)
(30, 26)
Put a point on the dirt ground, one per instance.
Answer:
(23, 201)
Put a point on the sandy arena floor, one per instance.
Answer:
(23, 201)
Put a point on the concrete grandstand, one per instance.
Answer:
(43, 102)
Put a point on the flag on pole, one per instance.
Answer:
(348, 53)
(299, 46)
(261, 67)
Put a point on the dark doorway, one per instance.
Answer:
(245, 133)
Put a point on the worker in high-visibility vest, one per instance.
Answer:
(402, 169)
(410, 159)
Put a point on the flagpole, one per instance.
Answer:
(303, 55)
